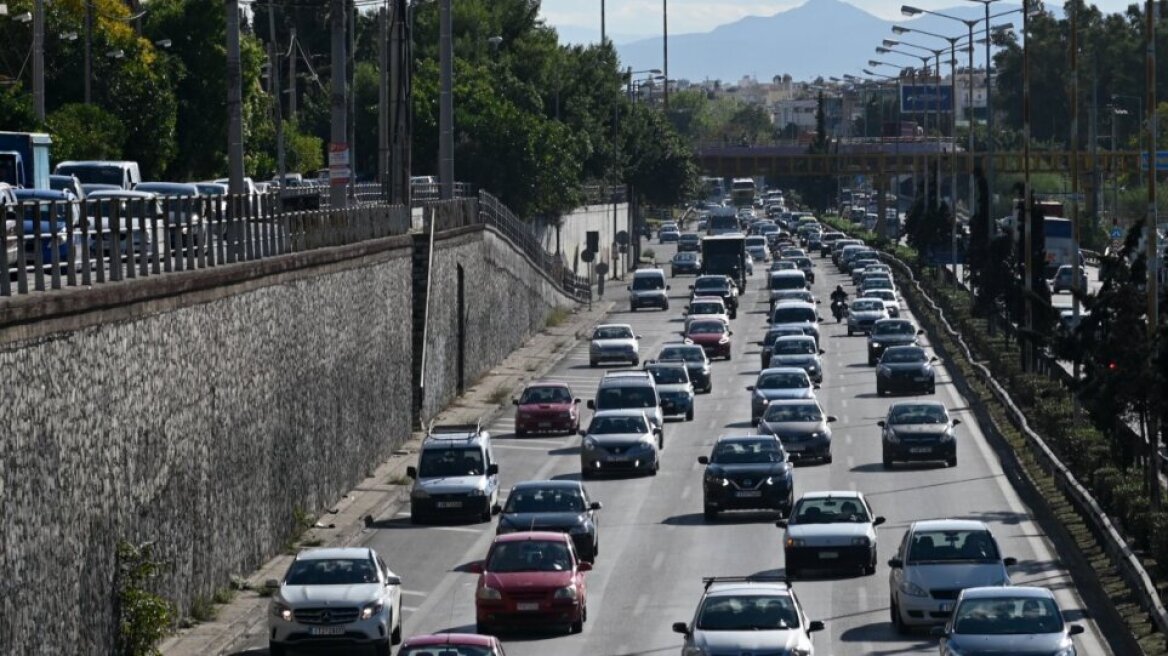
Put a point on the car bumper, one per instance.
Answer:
(306, 636)
(905, 452)
(906, 383)
(814, 449)
(829, 557)
(613, 356)
(650, 301)
(717, 350)
(767, 497)
(449, 506)
(505, 613)
(924, 611)
(700, 379)
(533, 424)
(600, 463)
(679, 406)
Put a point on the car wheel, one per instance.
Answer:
(417, 518)
(933, 389)
(578, 625)
(792, 572)
(636, 361)
(710, 514)
(901, 627)
(729, 356)
(952, 462)
(665, 307)
(632, 308)
(871, 361)
(849, 331)
(734, 313)
(520, 432)
(879, 389)
(592, 363)
(887, 460)
(383, 648)
(870, 568)
(827, 458)
(689, 415)
(395, 637)
(277, 649)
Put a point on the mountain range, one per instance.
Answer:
(819, 38)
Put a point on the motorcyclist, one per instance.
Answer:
(839, 294)
(839, 303)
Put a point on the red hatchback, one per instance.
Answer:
(712, 335)
(531, 580)
(452, 644)
(546, 407)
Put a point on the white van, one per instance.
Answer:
(121, 173)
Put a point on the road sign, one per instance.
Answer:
(1117, 233)
(339, 164)
(1161, 161)
(601, 268)
(587, 256)
(920, 98)
(622, 238)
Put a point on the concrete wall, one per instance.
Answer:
(574, 226)
(201, 416)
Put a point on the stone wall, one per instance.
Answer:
(572, 231)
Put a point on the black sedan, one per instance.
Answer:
(918, 431)
(748, 472)
(686, 262)
(562, 506)
(905, 369)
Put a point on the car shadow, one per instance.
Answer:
(739, 424)
(570, 476)
(885, 632)
(250, 652)
(565, 451)
(729, 518)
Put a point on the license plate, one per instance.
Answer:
(922, 379)
(750, 494)
(449, 504)
(946, 608)
(618, 458)
(828, 555)
(920, 449)
(545, 424)
(530, 605)
(327, 630)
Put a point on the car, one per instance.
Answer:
(758, 253)
(687, 262)
(457, 474)
(614, 341)
(890, 332)
(803, 295)
(748, 615)
(689, 241)
(335, 597)
(833, 531)
(673, 387)
(531, 580)
(50, 220)
(851, 257)
(629, 389)
(875, 281)
(452, 644)
(648, 289)
(905, 368)
(792, 252)
(1021, 620)
(1064, 279)
(668, 226)
(562, 506)
(807, 267)
(779, 281)
(796, 313)
(888, 297)
(798, 351)
(768, 340)
(717, 285)
(546, 407)
(713, 335)
(696, 363)
(782, 265)
(802, 427)
(776, 383)
(863, 313)
(838, 246)
(864, 260)
(918, 431)
(668, 235)
(137, 234)
(826, 240)
(706, 307)
(746, 472)
(935, 561)
(68, 183)
(620, 441)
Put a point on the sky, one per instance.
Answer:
(579, 20)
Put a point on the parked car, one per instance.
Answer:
(562, 506)
(830, 531)
(906, 368)
(1015, 620)
(546, 407)
(747, 472)
(532, 580)
(918, 431)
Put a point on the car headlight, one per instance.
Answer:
(594, 346)
(369, 610)
(860, 542)
(947, 436)
(875, 344)
(486, 592)
(891, 436)
(818, 435)
(283, 612)
(912, 589)
(589, 444)
(566, 592)
(478, 493)
(884, 371)
(1069, 650)
(419, 493)
(796, 542)
(801, 651)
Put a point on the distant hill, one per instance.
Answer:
(820, 37)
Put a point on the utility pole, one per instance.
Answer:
(1076, 235)
(399, 103)
(88, 50)
(292, 57)
(383, 103)
(274, 71)
(234, 102)
(602, 35)
(351, 74)
(1152, 253)
(339, 163)
(445, 102)
(989, 122)
(953, 155)
(38, 59)
(972, 123)
(665, 52)
(1028, 342)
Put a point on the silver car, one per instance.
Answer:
(890, 299)
(776, 383)
(801, 426)
(863, 312)
(1016, 620)
(798, 351)
(936, 560)
(748, 615)
(614, 341)
(620, 441)
(830, 530)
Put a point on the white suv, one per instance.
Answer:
(748, 615)
(336, 597)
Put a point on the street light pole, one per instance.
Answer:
(1076, 235)
(38, 59)
(1152, 252)
(445, 102)
(1028, 343)
(88, 50)
(234, 101)
(665, 52)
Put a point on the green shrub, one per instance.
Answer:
(1158, 533)
(143, 618)
(1103, 482)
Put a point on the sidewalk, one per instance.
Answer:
(385, 492)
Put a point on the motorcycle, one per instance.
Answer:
(839, 309)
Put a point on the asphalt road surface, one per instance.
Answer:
(655, 545)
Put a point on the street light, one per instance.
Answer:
(163, 43)
(116, 54)
(26, 17)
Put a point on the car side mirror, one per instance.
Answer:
(895, 563)
(476, 567)
(576, 401)
(392, 580)
(920, 332)
(814, 626)
(703, 460)
(933, 359)
(595, 505)
(1009, 561)
(1075, 629)
(819, 319)
(815, 386)
(496, 509)
(750, 388)
(878, 521)
(492, 469)
(638, 337)
(412, 472)
(583, 433)
(956, 422)
(271, 584)
(782, 523)
(629, 288)
(832, 418)
(821, 351)
(681, 627)
(667, 288)
(880, 423)
(514, 401)
(591, 404)
(691, 286)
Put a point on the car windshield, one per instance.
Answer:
(546, 395)
(882, 294)
(331, 571)
(689, 354)
(685, 256)
(94, 174)
(903, 356)
(794, 315)
(861, 305)
(633, 396)
(707, 308)
(450, 461)
(741, 453)
(1007, 616)
(669, 375)
(710, 283)
(784, 265)
(894, 328)
(793, 347)
(829, 510)
(944, 546)
(613, 332)
(602, 425)
(446, 650)
(648, 282)
(918, 414)
(707, 328)
(784, 380)
(529, 556)
(536, 500)
(877, 283)
(793, 412)
(803, 262)
(748, 613)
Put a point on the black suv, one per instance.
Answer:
(717, 285)
(747, 472)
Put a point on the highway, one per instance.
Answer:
(655, 545)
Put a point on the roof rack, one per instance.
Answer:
(707, 581)
(454, 431)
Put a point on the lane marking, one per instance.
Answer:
(413, 593)
(458, 529)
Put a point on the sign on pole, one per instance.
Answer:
(921, 98)
(339, 172)
(1161, 161)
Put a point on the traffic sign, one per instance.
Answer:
(587, 256)
(601, 268)
(1117, 233)
(622, 238)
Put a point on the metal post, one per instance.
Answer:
(339, 164)
(88, 50)
(234, 102)
(937, 119)
(1114, 174)
(445, 103)
(665, 52)
(602, 34)
(292, 73)
(1152, 252)
(38, 59)
(989, 123)
(1076, 235)
(1028, 343)
(399, 102)
(351, 75)
(953, 156)
(383, 103)
(972, 123)
(274, 72)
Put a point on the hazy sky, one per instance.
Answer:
(633, 18)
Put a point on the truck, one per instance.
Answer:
(24, 159)
(725, 255)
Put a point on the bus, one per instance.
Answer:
(742, 192)
(1058, 243)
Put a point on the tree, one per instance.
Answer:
(82, 131)
(658, 162)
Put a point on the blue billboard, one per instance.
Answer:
(921, 98)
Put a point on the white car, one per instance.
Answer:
(890, 299)
(830, 530)
(614, 341)
(748, 615)
(343, 596)
(936, 560)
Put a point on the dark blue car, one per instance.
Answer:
(51, 216)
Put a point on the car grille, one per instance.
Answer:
(927, 438)
(619, 449)
(794, 437)
(326, 615)
(947, 595)
(528, 595)
(437, 498)
(749, 481)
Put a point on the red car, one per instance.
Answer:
(531, 580)
(712, 335)
(546, 407)
(452, 644)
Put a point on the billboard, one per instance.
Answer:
(920, 98)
